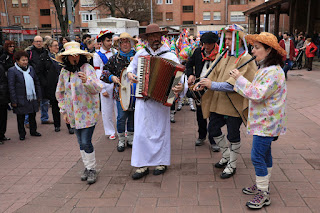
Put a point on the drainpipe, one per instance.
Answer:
(226, 12)
(5, 5)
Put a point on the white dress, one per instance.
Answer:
(151, 141)
(108, 105)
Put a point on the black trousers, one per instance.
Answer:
(233, 126)
(32, 124)
(3, 119)
(55, 113)
(309, 63)
(202, 123)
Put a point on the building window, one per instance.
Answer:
(169, 16)
(187, 9)
(237, 2)
(15, 3)
(44, 12)
(26, 19)
(187, 22)
(24, 3)
(88, 17)
(169, 1)
(216, 16)
(45, 25)
(159, 2)
(158, 16)
(237, 16)
(17, 19)
(206, 16)
(206, 1)
(217, 1)
(87, 3)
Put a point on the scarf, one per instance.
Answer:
(28, 80)
(212, 55)
(127, 55)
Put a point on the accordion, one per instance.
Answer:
(156, 77)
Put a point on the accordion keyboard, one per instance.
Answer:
(140, 76)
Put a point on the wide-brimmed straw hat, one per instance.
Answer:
(125, 35)
(103, 34)
(72, 48)
(153, 28)
(268, 39)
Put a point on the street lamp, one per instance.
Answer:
(55, 19)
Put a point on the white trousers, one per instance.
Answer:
(108, 110)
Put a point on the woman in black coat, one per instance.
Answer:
(7, 57)
(25, 92)
(4, 100)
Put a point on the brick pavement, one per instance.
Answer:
(42, 174)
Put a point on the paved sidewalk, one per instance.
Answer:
(43, 174)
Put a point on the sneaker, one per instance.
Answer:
(215, 148)
(120, 146)
(92, 176)
(200, 142)
(259, 200)
(252, 190)
(84, 175)
(112, 137)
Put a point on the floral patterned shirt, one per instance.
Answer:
(79, 100)
(267, 101)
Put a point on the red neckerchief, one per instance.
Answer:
(212, 55)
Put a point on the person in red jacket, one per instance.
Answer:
(311, 50)
(287, 44)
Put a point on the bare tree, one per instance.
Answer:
(132, 9)
(61, 8)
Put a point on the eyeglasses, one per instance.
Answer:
(38, 41)
(11, 46)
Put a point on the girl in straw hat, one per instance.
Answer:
(267, 101)
(78, 96)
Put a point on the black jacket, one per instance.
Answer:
(195, 64)
(6, 59)
(4, 89)
(49, 72)
(34, 57)
(18, 93)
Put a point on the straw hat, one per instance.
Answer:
(268, 39)
(72, 48)
(153, 28)
(103, 34)
(125, 35)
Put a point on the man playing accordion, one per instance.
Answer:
(151, 142)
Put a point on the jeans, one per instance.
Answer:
(84, 138)
(44, 106)
(261, 154)
(287, 66)
(233, 127)
(122, 119)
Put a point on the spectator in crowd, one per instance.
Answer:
(63, 40)
(77, 39)
(299, 45)
(97, 46)
(25, 92)
(287, 44)
(4, 100)
(34, 53)
(78, 96)
(6, 59)
(90, 48)
(311, 50)
(85, 38)
(280, 37)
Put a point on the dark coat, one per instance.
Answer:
(48, 76)
(7, 60)
(195, 64)
(18, 93)
(4, 89)
(34, 57)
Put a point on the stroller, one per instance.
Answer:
(298, 62)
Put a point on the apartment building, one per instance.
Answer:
(193, 14)
(23, 19)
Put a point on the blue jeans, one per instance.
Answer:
(287, 66)
(122, 119)
(84, 138)
(261, 154)
(44, 106)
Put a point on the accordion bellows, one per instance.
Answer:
(156, 78)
